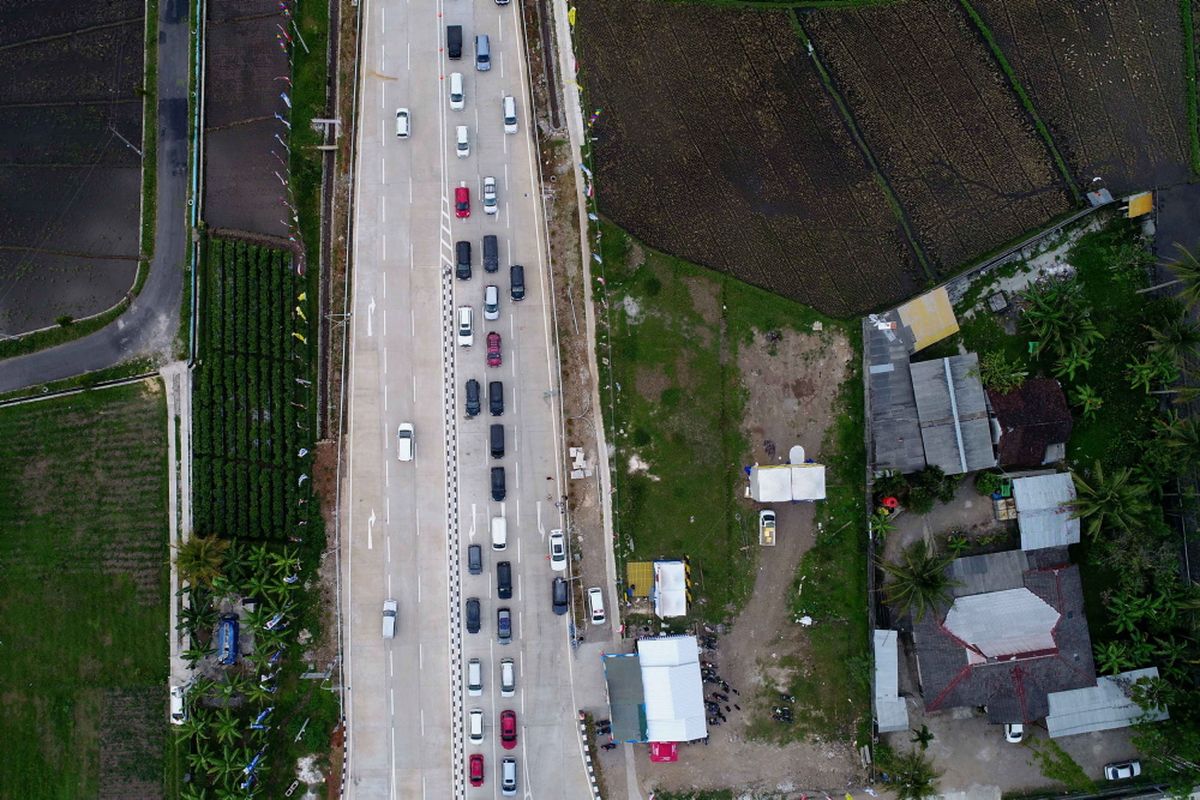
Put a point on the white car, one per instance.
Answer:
(491, 302)
(466, 326)
(178, 706)
(456, 91)
(402, 123)
(1014, 732)
(1122, 770)
(462, 141)
(509, 107)
(404, 442)
(558, 550)
(490, 206)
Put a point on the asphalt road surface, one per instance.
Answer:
(149, 326)
(407, 525)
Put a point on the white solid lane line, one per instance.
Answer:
(385, 360)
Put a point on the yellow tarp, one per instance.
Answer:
(930, 317)
(1140, 204)
(639, 575)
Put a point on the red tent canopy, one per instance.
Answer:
(664, 752)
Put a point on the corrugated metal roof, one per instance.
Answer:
(999, 624)
(895, 428)
(626, 702)
(891, 713)
(674, 692)
(1044, 511)
(953, 413)
(1101, 707)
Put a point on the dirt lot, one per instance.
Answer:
(241, 190)
(792, 387)
(70, 188)
(776, 194)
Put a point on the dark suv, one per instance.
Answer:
(472, 397)
(558, 595)
(496, 397)
(473, 615)
(498, 490)
(462, 257)
(491, 253)
(504, 579)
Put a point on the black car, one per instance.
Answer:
(491, 253)
(504, 625)
(516, 281)
(558, 595)
(475, 559)
(473, 615)
(498, 490)
(462, 258)
(496, 397)
(496, 439)
(504, 579)
(472, 397)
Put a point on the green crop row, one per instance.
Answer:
(251, 395)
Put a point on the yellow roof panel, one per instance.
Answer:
(1140, 204)
(930, 317)
(639, 576)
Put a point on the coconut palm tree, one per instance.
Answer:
(1155, 368)
(1186, 269)
(200, 688)
(258, 694)
(1177, 337)
(1087, 399)
(1118, 499)
(913, 775)
(201, 559)
(192, 791)
(286, 562)
(1178, 433)
(919, 583)
(195, 728)
(201, 758)
(226, 727)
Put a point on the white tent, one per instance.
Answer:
(673, 690)
(670, 588)
(783, 483)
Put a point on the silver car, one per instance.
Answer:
(490, 205)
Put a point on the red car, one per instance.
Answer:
(476, 771)
(462, 202)
(508, 729)
(493, 349)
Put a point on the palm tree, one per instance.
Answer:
(257, 694)
(1117, 500)
(194, 653)
(919, 581)
(1178, 433)
(1177, 337)
(913, 775)
(1153, 693)
(195, 728)
(1069, 363)
(1086, 397)
(201, 559)
(191, 791)
(1186, 269)
(201, 759)
(200, 687)
(226, 727)
(1126, 613)
(1156, 367)
(1113, 658)
(286, 562)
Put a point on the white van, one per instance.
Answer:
(508, 677)
(475, 726)
(509, 106)
(402, 123)
(389, 618)
(179, 713)
(463, 142)
(466, 326)
(491, 302)
(596, 605)
(405, 442)
(483, 53)
(456, 91)
(499, 533)
(474, 678)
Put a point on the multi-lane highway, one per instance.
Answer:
(407, 525)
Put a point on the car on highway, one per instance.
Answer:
(1122, 770)
(483, 53)
(508, 777)
(499, 492)
(179, 713)
(475, 726)
(456, 91)
(454, 41)
(508, 729)
(493, 349)
(390, 607)
(504, 580)
(462, 260)
(491, 253)
(499, 529)
(558, 595)
(595, 597)
(475, 559)
(475, 769)
(504, 626)
(462, 141)
(558, 550)
(474, 678)
(516, 282)
(473, 615)
(405, 442)
(402, 123)
(472, 398)
(496, 440)
(491, 302)
(508, 107)
(496, 398)
(466, 326)
(462, 201)
(490, 204)
(508, 677)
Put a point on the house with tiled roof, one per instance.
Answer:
(1033, 423)
(1012, 633)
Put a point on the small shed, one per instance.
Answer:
(783, 483)
(955, 431)
(1101, 707)
(1044, 510)
(891, 713)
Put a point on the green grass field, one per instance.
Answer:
(83, 595)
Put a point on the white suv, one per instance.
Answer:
(466, 326)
